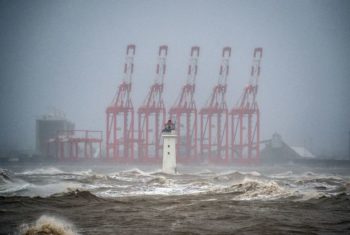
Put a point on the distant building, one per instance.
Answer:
(278, 151)
(303, 152)
(47, 127)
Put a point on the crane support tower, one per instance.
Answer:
(120, 116)
(184, 112)
(214, 118)
(245, 118)
(151, 115)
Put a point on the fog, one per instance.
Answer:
(70, 55)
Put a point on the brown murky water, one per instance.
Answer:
(149, 202)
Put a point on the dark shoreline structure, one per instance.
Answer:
(13, 158)
(40, 161)
(37, 161)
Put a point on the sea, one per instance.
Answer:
(77, 198)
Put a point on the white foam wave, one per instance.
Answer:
(5, 176)
(249, 173)
(261, 190)
(42, 171)
(22, 188)
(159, 180)
(13, 188)
(84, 172)
(48, 225)
(245, 185)
(282, 175)
(10, 185)
(134, 172)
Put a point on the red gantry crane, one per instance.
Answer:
(245, 118)
(214, 118)
(184, 112)
(120, 116)
(151, 115)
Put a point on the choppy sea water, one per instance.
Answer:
(198, 200)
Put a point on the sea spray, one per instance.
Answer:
(48, 225)
(124, 182)
(42, 171)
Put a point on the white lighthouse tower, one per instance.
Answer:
(169, 148)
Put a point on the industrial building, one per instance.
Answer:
(56, 138)
(47, 127)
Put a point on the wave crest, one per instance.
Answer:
(5, 176)
(43, 171)
(48, 225)
(252, 189)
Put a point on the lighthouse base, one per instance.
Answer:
(169, 152)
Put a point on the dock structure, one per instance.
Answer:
(211, 134)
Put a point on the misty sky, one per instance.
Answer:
(70, 55)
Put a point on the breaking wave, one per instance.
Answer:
(10, 185)
(131, 201)
(4, 176)
(133, 172)
(42, 171)
(48, 225)
(251, 189)
(250, 185)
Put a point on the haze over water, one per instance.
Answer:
(70, 55)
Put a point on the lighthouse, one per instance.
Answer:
(169, 148)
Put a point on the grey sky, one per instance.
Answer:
(70, 55)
